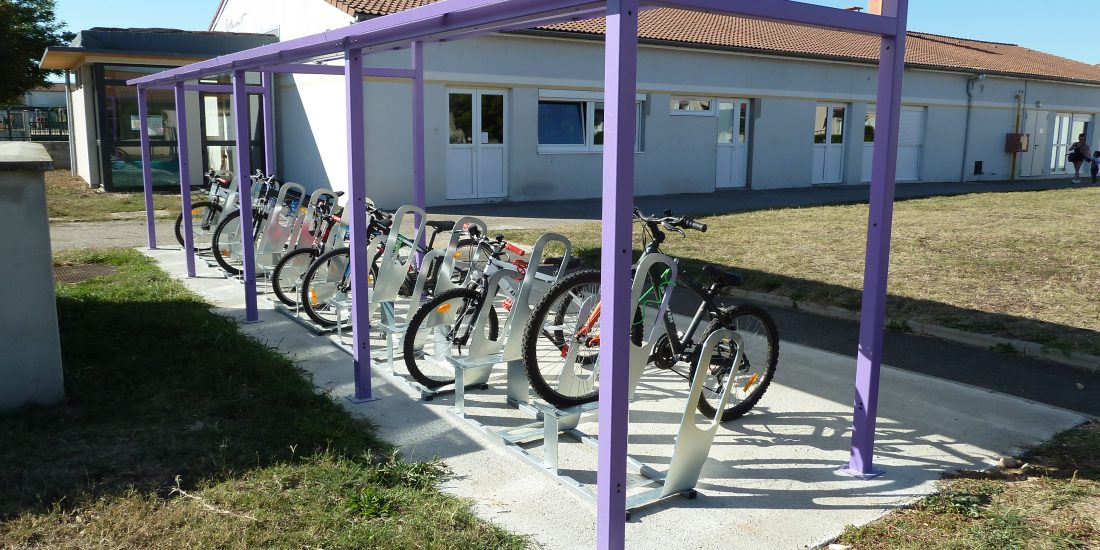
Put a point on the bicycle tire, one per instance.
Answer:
(416, 360)
(287, 275)
(309, 298)
(203, 231)
(536, 374)
(222, 243)
(757, 329)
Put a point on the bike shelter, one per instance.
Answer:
(448, 20)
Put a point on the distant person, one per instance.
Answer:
(1078, 153)
(1095, 168)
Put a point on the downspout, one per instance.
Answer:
(69, 123)
(1019, 115)
(969, 110)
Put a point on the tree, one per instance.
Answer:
(27, 28)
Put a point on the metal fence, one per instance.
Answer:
(34, 124)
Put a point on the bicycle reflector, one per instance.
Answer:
(313, 296)
(443, 308)
(225, 253)
(752, 381)
(508, 304)
(458, 254)
(196, 211)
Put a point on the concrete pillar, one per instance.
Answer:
(30, 367)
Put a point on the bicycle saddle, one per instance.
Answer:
(440, 225)
(721, 277)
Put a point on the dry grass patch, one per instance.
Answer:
(1051, 503)
(69, 198)
(1019, 265)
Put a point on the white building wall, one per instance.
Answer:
(84, 128)
(679, 153)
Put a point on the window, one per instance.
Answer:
(690, 106)
(824, 132)
(573, 126)
(869, 127)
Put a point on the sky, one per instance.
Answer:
(1038, 25)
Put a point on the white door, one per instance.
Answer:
(828, 164)
(733, 143)
(1061, 141)
(1035, 126)
(477, 150)
(910, 143)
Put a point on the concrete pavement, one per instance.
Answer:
(770, 479)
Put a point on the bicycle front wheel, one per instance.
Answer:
(227, 244)
(326, 288)
(286, 279)
(204, 219)
(752, 375)
(443, 329)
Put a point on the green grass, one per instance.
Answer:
(1054, 503)
(1019, 265)
(69, 198)
(178, 431)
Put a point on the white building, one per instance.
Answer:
(723, 102)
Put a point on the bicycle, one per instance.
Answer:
(291, 267)
(443, 327)
(326, 285)
(564, 326)
(204, 214)
(227, 242)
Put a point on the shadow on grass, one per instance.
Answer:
(156, 390)
(1052, 336)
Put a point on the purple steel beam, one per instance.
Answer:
(428, 23)
(211, 88)
(146, 169)
(357, 206)
(268, 80)
(243, 124)
(419, 194)
(789, 11)
(308, 68)
(876, 268)
(620, 88)
(185, 179)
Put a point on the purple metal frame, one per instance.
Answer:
(243, 123)
(146, 169)
(185, 179)
(455, 19)
(268, 94)
(357, 209)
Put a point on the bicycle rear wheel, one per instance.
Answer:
(442, 328)
(752, 375)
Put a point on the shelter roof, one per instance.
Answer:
(697, 29)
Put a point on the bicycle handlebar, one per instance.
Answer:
(672, 222)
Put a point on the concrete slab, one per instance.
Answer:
(770, 481)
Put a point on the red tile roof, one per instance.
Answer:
(723, 31)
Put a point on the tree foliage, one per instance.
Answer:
(27, 28)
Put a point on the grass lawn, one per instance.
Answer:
(68, 198)
(180, 432)
(1019, 265)
(1054, 503)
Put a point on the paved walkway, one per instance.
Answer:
(769, 481)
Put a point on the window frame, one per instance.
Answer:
(710, 111)
(591, 102)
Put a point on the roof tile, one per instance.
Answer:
(923, 49)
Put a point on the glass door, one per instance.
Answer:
(733, 143)
(1061, 142)
(120, 135)
(477, 150)
(828, 162)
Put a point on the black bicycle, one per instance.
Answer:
(561, 341)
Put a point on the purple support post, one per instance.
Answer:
(242, 121)
(269, 122)
(418, 125)
(357, 206)
(873, 314)
(146, 168)
(419, 194)
(620, 87)
(185, 179)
